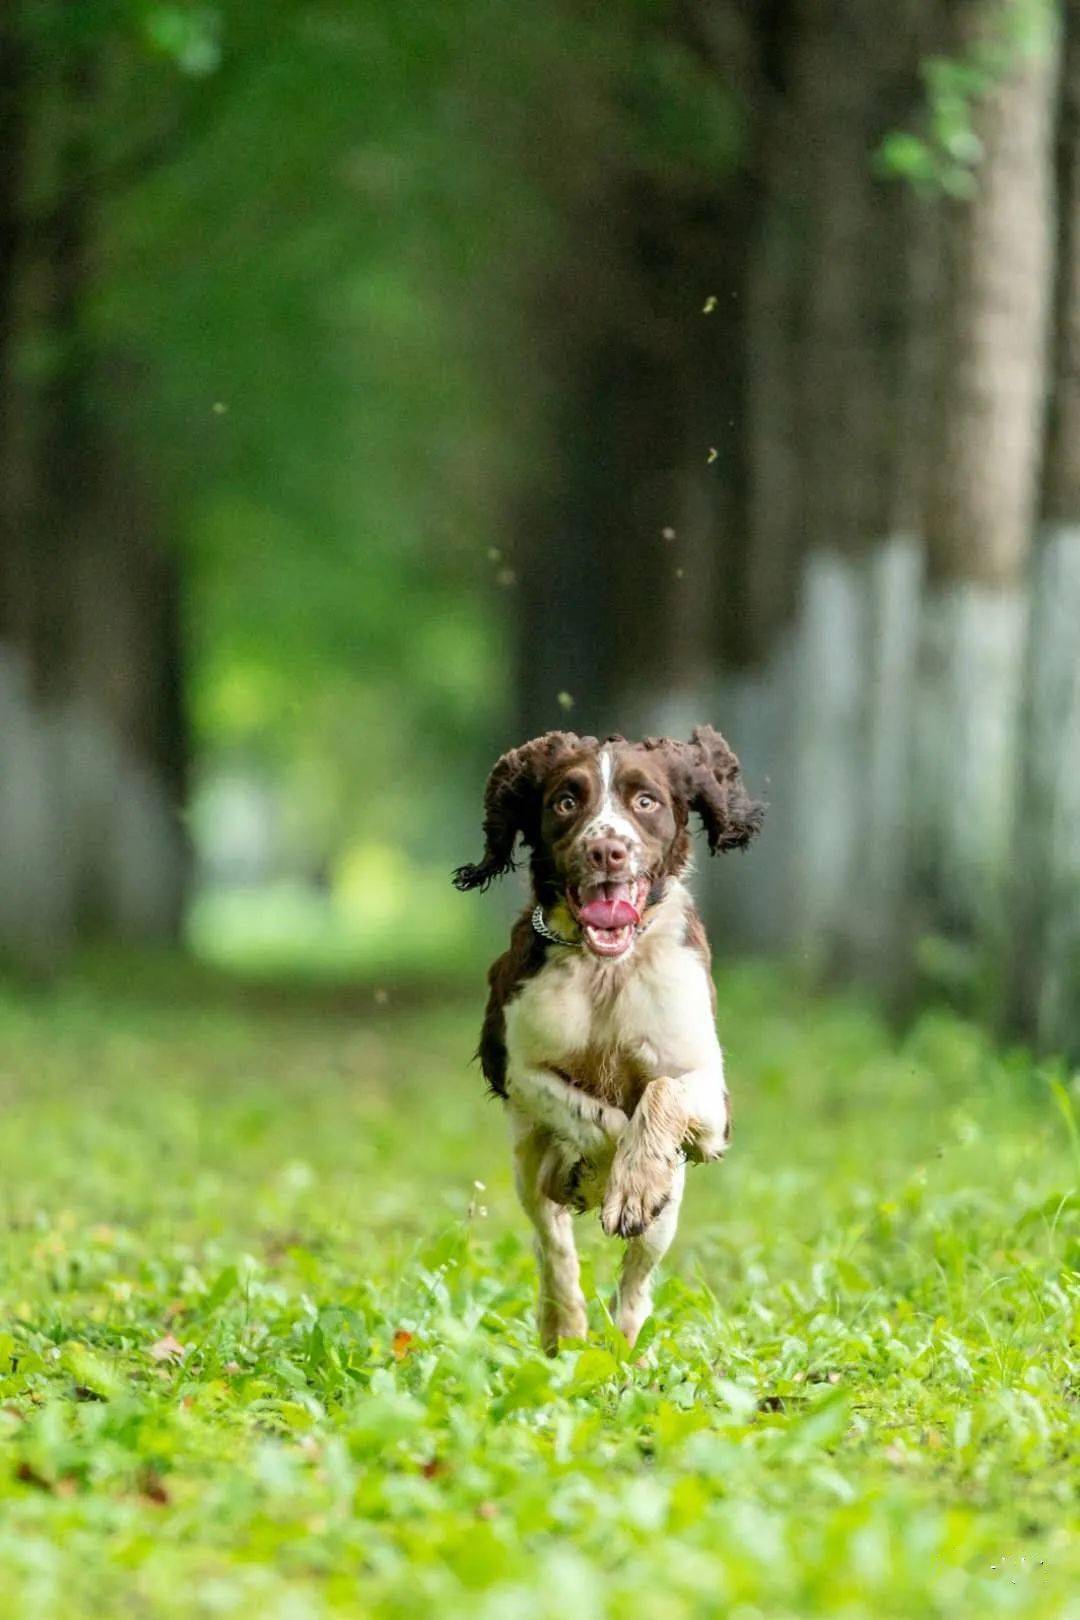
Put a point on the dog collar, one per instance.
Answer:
(540, 924)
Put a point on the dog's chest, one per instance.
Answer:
(612, 1028)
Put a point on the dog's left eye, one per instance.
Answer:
(645, 801)
(564, 805)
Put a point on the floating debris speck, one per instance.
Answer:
(668, 533)
(506, 577)
(709, 305)
(713, 453)
(565, 701)
(219, 407)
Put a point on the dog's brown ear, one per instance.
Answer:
(705, 774)
(512, 804)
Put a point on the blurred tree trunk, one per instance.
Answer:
(618, 588)
(981, 497)
(758, 489)
(13, 145)
(700, 455)
(33, 917)
(637, 572)
(842, 763)
(90, 842)
(1046, 891)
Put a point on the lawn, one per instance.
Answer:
(267, 1346)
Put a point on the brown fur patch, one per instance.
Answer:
(610, 1073)
(524, 958)
(701, 775)
(512, 803)
(705, 775)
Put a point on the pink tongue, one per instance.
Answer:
(608, 913)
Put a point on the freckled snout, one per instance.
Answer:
(607, 858)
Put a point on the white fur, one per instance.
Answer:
(654, 1003)
(609, 820)
(582, 1123)
(562, 1307)
(653, 1006)
(633, 1298)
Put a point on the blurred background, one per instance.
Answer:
(383, 384)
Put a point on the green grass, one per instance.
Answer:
(267, 1349)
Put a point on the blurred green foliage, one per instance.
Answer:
(261, 1355)
(294, 284)
(946, 155)
(329, 235)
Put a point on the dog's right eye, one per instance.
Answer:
(564, 805)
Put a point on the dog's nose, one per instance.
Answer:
(608, 855)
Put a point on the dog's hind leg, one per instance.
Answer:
(633, 1298)
(562, 1305)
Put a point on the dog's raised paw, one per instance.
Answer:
(634, 1199)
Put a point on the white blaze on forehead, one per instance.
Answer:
(609, 818)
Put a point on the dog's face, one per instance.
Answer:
(607, 822)
(609, 832)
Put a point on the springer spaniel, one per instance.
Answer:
(599, 1031)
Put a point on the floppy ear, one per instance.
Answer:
(512, 805)
(705, 773)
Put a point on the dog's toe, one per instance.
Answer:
(624, 1215)
(633, 1202)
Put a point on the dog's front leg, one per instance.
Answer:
(675, 1114)
(643, 1169)
(633, 1297)
(588, 1127)
(708, 1130)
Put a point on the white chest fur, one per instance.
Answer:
(655, 1007)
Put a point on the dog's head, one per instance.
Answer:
(607, 822)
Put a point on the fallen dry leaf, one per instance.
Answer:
(167, 1349)
(152, 1488)
(27, 1474)
(402, 1344)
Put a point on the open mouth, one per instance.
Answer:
(608, 914)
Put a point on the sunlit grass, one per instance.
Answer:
(267, 1348)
